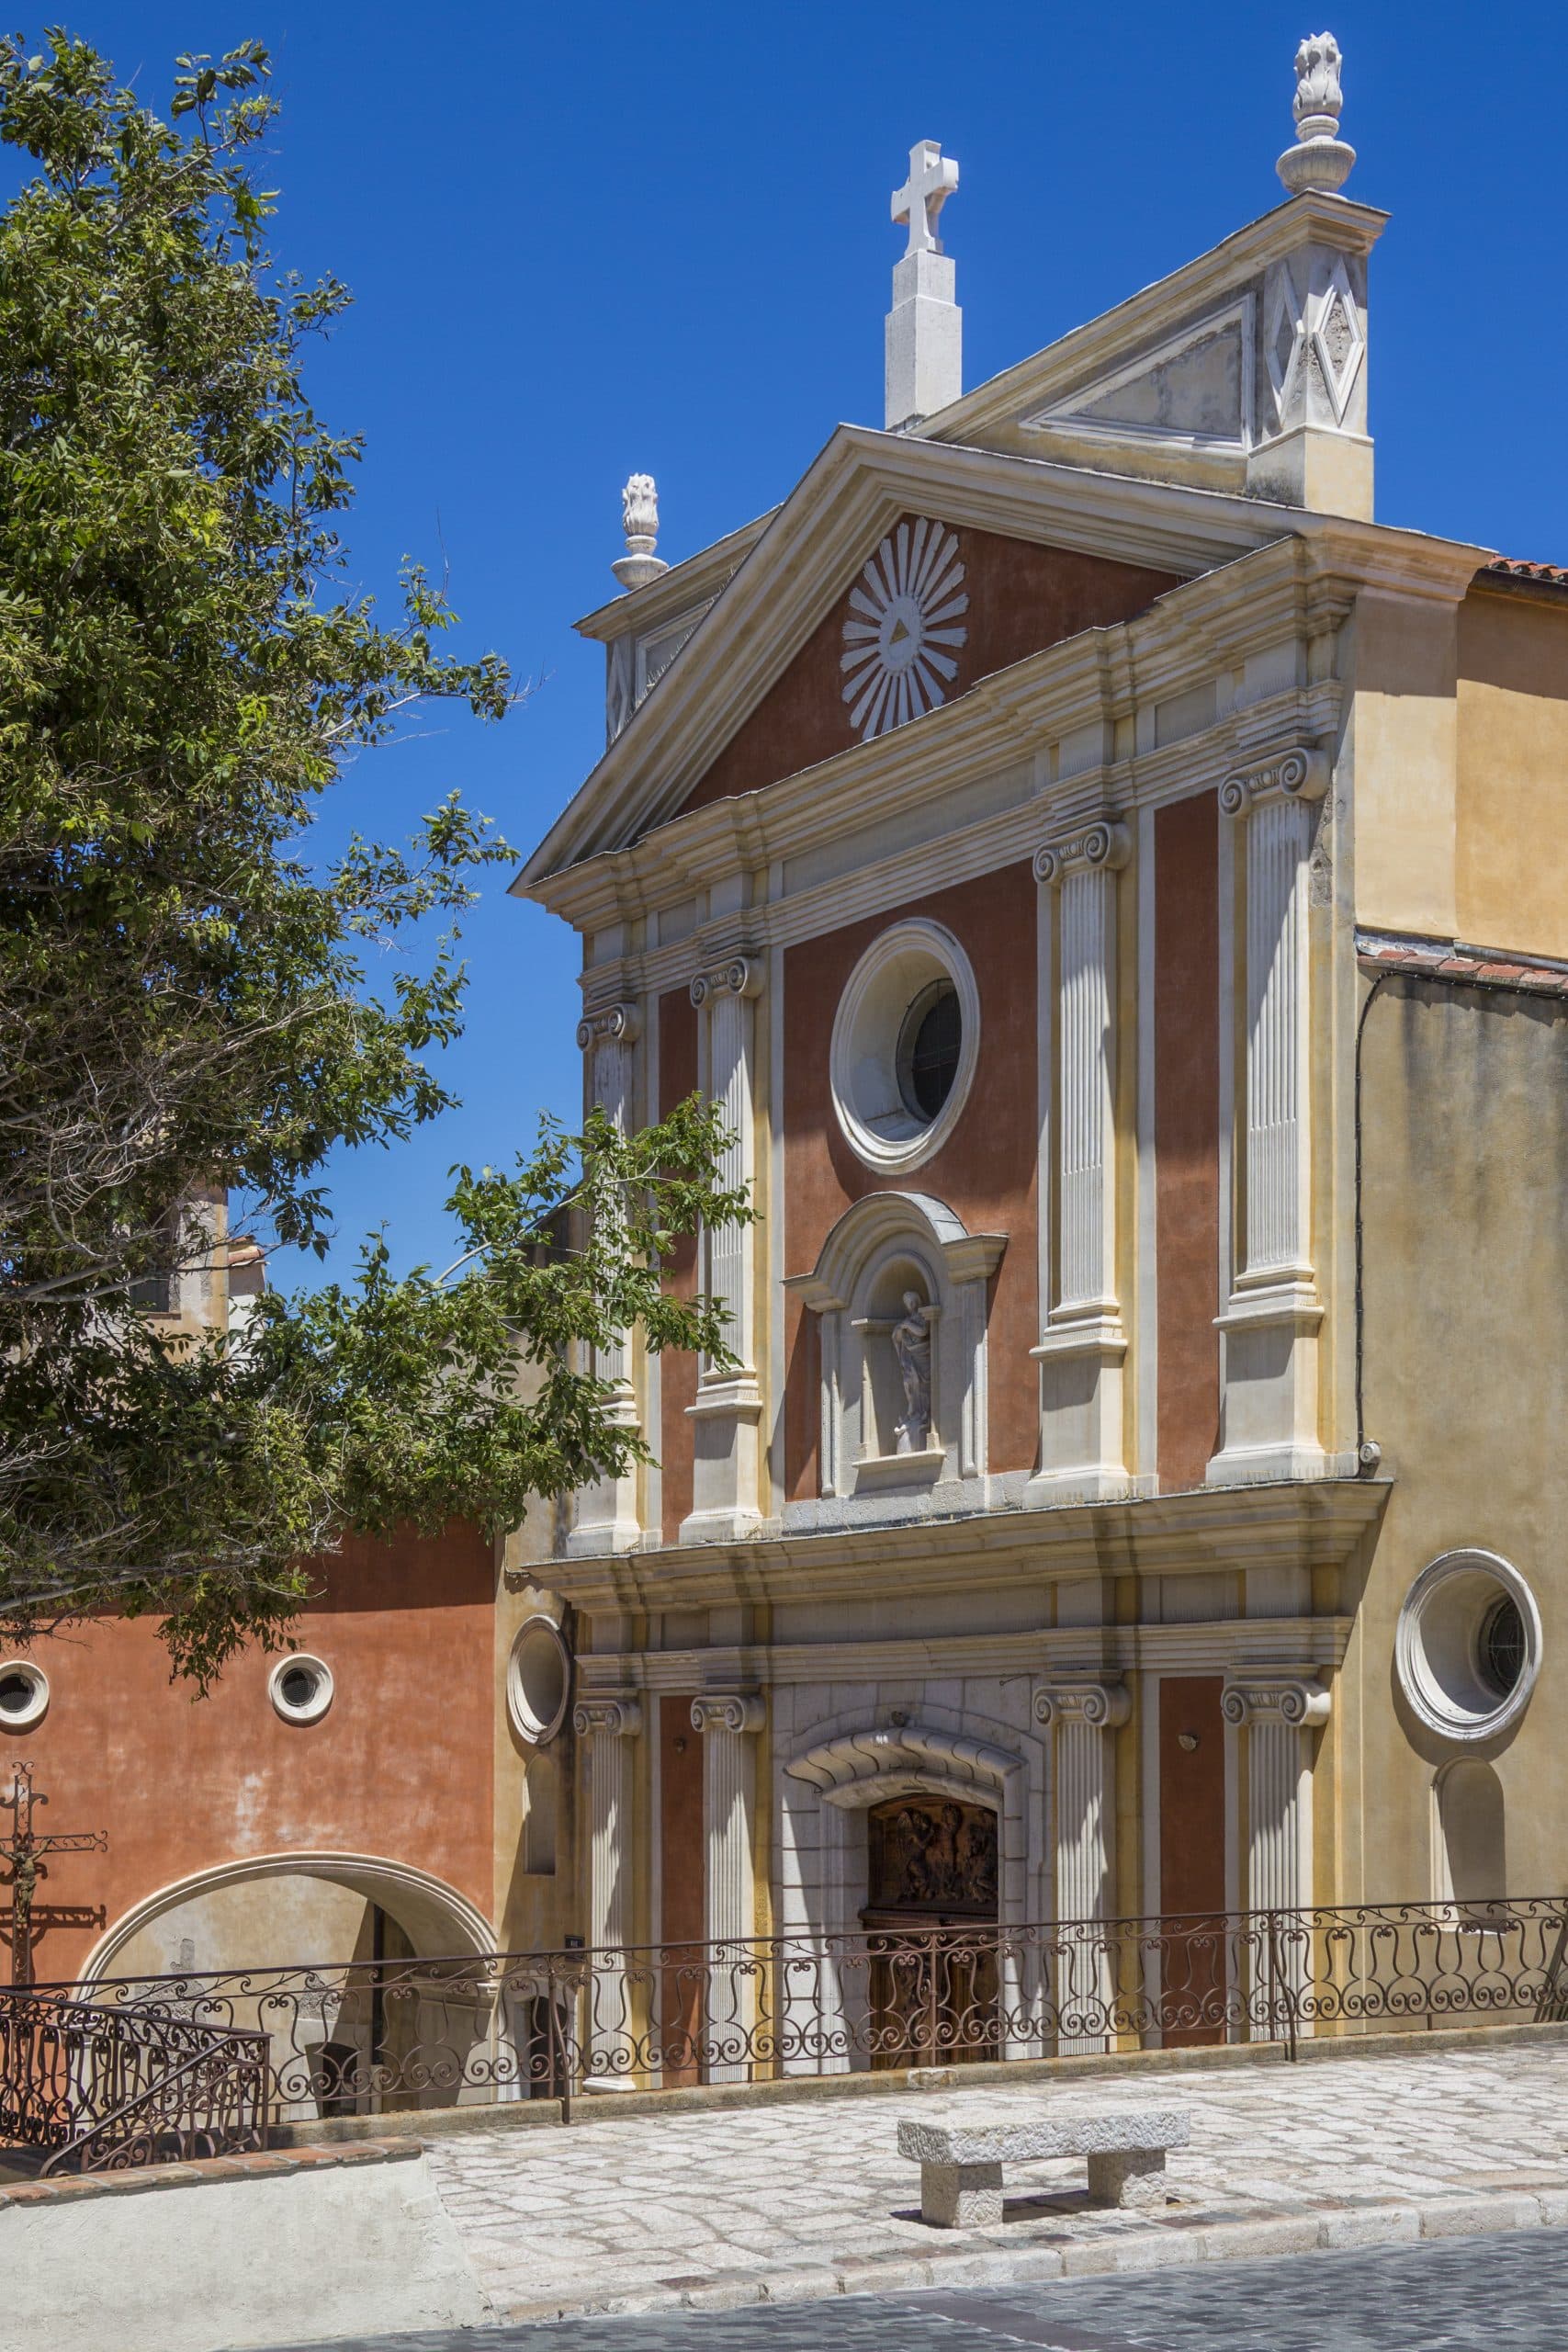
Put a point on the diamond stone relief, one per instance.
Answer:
(903, 629)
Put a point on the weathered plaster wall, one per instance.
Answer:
(1022, 597)
(1511, 862)
(1405, 673)
(183, 1784)
(987, 1171)
(1466, 1104)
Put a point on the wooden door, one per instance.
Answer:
(932, 1932)
(1191, 1860)
(682, 1972)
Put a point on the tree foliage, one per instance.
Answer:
(184, 1000)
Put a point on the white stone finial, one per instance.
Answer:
(1320, 161)
(933, 178)
(925, 326)
(640, 520)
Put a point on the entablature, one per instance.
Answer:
(1298, 1524)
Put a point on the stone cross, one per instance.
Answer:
(933, 179)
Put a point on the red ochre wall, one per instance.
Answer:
(1022, 597)
(1187, 1135)
(985, 1171)
(400, 1766)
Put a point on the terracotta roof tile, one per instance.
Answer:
(1438, 960)
(1509, 567)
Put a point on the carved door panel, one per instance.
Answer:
(931, 1921)
(1191, 1860)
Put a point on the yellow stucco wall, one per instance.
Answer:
(1511, 853)
(1465, 1107)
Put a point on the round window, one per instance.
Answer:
(300, 1688)
(24, 1694)
(905, 1040)
(538, 1680)
(1468, 1646)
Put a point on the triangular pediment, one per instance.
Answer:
(800, 659)
(1192, 390)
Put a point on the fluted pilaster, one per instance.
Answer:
(606, 1519)
(730, 1722)
(608, 1727)
(728, 1405)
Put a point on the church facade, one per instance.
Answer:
(1114, 888)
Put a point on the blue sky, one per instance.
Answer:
(589, 241)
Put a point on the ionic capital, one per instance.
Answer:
(619, 1718)
(736, 976)
(732, 1711)
(611, 1024)
(1270, 1695)
(1101, 847)
(1300, 774)
(1103, 1706)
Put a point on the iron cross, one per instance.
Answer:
(24, 1850)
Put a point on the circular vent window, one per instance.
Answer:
(538, 1680)
(24, 1694)
(1468, 1645)
(300, 1688)
(906, 1041)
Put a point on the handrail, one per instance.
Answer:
(74, 2075)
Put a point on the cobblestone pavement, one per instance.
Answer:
(1467, 2295)
(811, 2199)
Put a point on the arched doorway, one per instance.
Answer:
(375, 1982)
(930, 1918)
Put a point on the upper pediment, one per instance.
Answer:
(832, 604)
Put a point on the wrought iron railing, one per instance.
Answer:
(370, 2037)
(97, 2087)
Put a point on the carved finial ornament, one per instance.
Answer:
(1320, 161)
(1101, 846)
(933, 179)
(736, 976)
(1293, 776)
(639, 520)
(732, 1711)
(607, 1718)
(1104, 1706)
(612, 1024)
(1268, 1695)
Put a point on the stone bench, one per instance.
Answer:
(961, 2163)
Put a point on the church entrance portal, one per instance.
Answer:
(932, 1876)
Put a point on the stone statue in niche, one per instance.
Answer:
(912, 1351)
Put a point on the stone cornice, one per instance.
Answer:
(1298, 1524)
(702, 576)
(1089, 349)
(855, 490)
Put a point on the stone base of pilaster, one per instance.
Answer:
(1080, 1414)
(1269, 1398)
(605, 1519)
(725, 1462)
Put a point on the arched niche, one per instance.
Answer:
(896, 1409)
(1470, 1838)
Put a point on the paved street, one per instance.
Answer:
(1468, 2295)
(812, 2197)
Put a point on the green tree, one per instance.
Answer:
(183, 1005)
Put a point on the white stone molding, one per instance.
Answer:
(730, 1722)
(608, 1725)
(299, 1686)
(883, 1246)
(1084, 1715)
(24, 1694)
(924, 342)
(1190, 392)
(1269, 1388)
(640, 523)
(860, 1767)
(605, 1517)
(1321, 161)
(728, 1407)
(1082, 1339)
(879, 1125)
